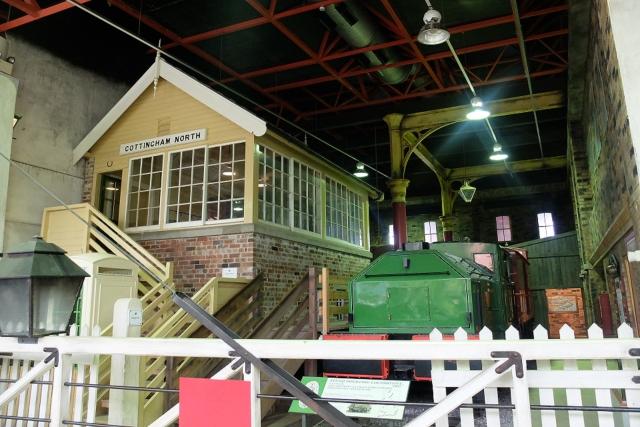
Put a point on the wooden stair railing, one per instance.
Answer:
(288, 320)
(96, 233)
(242, 308)
(333, 302)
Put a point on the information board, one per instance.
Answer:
(563, 304)
(358, 389)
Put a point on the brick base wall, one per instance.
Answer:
(87, 186)
(283, 262)
(198, 259)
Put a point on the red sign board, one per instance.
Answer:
(211, 403)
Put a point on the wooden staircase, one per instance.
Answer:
(233, 301)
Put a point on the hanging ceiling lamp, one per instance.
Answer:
(498, 154)
(432, 32)
(360, 171)
(478, 113)
(467, 191)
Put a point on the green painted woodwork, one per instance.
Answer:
(412, 292)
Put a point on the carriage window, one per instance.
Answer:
(545, 225)
(503, 228)
(485, 260)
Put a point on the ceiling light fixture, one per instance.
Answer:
(467, 191)
(360, 172)
(111, 188)
(432, 32)
(498, 154)
(228, 173)
(478, 113)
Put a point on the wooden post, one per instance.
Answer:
(325, 300)
(126, 406)
(170, 382)
(311, 366)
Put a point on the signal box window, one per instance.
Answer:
(545, 225)
(503, 227)
(430, 232)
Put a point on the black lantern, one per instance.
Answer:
(39, 286)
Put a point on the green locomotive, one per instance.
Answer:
(451, 285)
(406, 294)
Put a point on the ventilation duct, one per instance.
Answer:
(355, 26)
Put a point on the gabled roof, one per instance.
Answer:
(218, 103)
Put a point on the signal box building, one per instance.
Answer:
(199, 181)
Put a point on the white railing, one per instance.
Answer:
(552, 382)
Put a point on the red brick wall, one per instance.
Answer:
(283, 262)
(198, 259)
(575, 319)
(87, 187)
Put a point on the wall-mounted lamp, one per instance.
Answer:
(16, 119)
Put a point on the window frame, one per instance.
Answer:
(345, 214)
(162, 195)
(434, 233)
(290, 192)
(206, 178)
(504, 229)
(546, 226)
(179, 224)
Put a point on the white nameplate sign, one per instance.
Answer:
(230, 272)
(163, 141)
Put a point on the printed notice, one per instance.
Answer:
(358, 389)
(563, 304)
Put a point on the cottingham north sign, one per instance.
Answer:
(163, 141)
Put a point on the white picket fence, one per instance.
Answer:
(35, 401)
(593, 373)
(594, 382)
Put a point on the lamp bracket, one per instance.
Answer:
(54, 355)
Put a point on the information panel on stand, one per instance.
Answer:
(358, 389)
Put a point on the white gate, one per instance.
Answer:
(524, 382)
